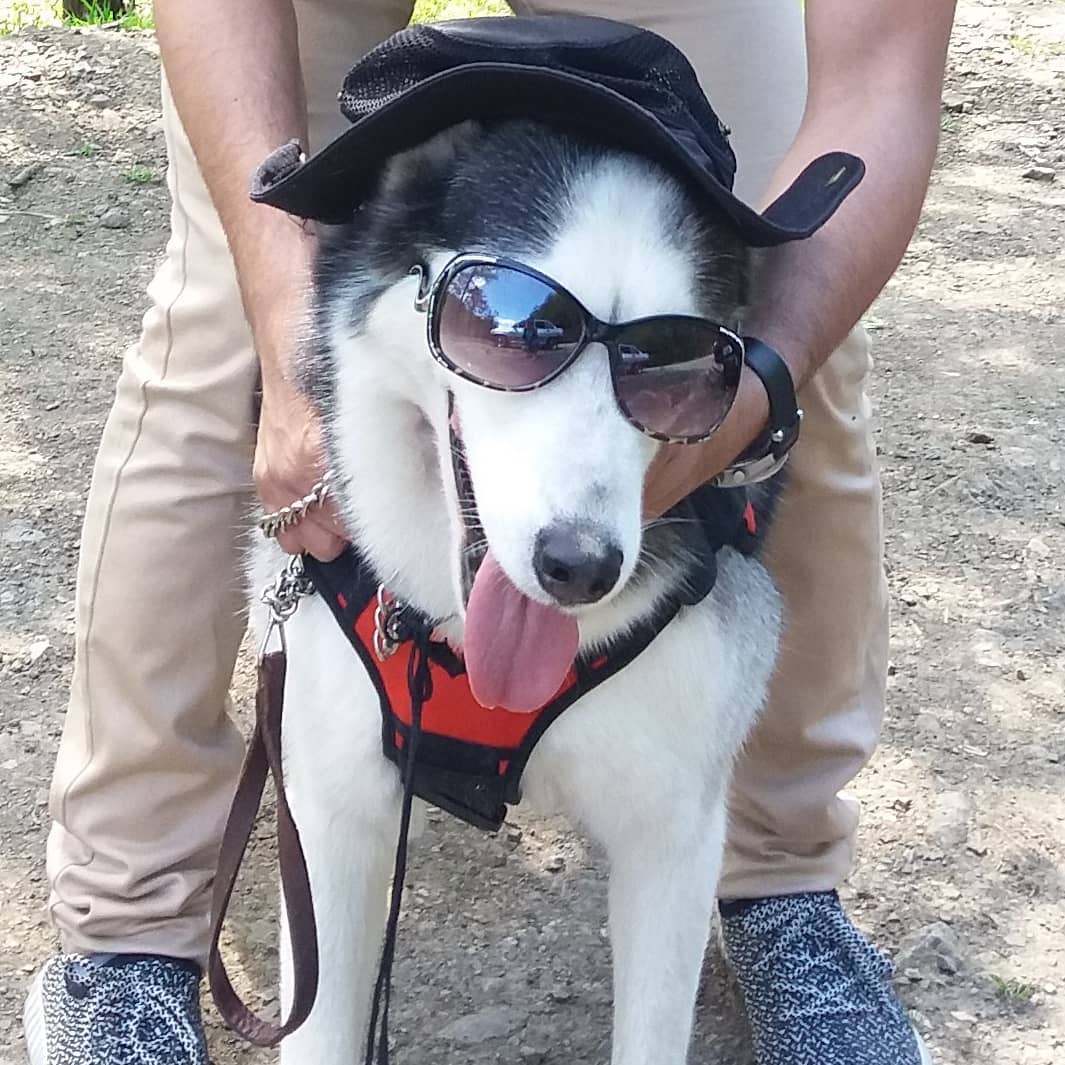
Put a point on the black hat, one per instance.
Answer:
(621, 85)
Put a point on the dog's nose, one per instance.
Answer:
(576, 565)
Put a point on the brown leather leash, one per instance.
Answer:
(264, 759)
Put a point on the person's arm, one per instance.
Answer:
(875, 84)
(234, 72)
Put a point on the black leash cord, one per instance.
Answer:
(420, 687)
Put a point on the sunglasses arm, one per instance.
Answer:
(421, 300)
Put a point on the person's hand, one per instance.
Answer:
(677, 470)
(289, 456)
(289, 459)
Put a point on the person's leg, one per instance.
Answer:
(790, 829)
(809, 979)
(149, 757)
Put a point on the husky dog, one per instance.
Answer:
(563, 560)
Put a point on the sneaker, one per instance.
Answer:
(115, 1009)
(816, 991)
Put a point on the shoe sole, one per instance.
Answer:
(33, 1023)
(922, 1049)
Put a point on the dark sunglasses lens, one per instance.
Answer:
(505, 328)
(677, 377)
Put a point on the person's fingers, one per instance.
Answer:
(321, 537)
(312, 539)
(327, 516)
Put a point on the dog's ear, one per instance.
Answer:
(722, 271)
(408, 172)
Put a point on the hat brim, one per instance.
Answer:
(330, 185)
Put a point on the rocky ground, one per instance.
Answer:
(504, 956)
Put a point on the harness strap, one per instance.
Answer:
(263, 759)
(590, 674)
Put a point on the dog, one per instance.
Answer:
(629, 242)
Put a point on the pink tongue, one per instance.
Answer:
(517, 651)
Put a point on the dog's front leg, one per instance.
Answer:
(350, 910)
(662, 887)
(345, 801)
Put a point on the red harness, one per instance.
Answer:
(470, 759)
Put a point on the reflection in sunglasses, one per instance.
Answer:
(505, 326)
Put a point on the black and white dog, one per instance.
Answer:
(514, 318)
(624, 238)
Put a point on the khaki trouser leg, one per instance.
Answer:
(149, 758)
(792, 830)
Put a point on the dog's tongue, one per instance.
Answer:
(517, 651)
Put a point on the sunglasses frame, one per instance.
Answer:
(431, 297)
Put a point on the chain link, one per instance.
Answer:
(272, 524)
(282, 598)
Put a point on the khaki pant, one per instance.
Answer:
(149, 756)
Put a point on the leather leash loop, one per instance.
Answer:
(263, 759)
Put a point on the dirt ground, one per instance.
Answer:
(961, 872)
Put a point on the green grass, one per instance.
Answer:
(1034, 49)
(142, 175)
(1013, 990)
(87, 150)
(20, 14)
(16, 15)
(137, 17)
(436, 10)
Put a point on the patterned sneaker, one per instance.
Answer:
(115, 1009)
(816, 992)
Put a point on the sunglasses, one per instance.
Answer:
(508, 327)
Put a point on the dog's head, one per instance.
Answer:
(555, 473)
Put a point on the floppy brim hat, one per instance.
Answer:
(615, 83)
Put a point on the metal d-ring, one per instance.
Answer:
(387, 625)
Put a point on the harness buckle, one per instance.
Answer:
(388, 631)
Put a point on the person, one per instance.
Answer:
(149, 757)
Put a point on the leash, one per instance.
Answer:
(263, 761)
(420, 686)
